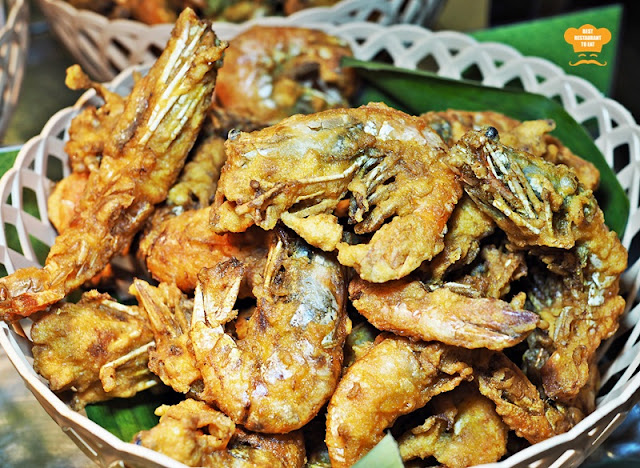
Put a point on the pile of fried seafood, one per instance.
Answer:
(311, 276)
(167, 11)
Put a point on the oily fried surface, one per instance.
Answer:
(408, 308)
(466, 227)
(188, 431)
(364, 405)
(286, 365)
(518, 401)
(66, 195)
(493, 275)
(465, 430)
(92, 127)
(176, 248)
(197, 183)
(168, 313)
(530, 136)
(401, 192)
(544, 208)
(140, 162)
(270, 73)
(198, 435)
(90, 344)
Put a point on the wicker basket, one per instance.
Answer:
(14, 34)
(105, 47)
(618, 138)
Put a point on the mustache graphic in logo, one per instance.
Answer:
(592, 61)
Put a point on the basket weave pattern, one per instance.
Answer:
(14, 34)
(105, 47)
(408, 46)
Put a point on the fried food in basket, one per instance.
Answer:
(286, 365)
(198, 435)
(409, 308)
(270, 73)
(97, 347)
(531, 136)
(464, 430)
(388, 165)
(481, 276)
(141, 160)
(395, 377)
(543, 207)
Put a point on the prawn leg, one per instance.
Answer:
(172, 357)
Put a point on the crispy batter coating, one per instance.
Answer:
(176, 248)
(92, 127)
(198, 435)
(466, 228)
(285, 368)
(96, 347)
(465, 430)
(408, 308)
(388, 163)
(197, 183)
(543, 208)
(66, 195)
(169, 314)
(492, 277)
(141, 160)
(364, 404)
(530, 136)
(270, 73)
(518, 401)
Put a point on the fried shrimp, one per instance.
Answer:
(141, 160)
(465, 430)
(197, 183)
(287, 364)
(544, 208)
(175, 249)
(518, 401)
(171, 355)
(466, 228)
(364, 405)
(66, 195)
(198, 435)
(409, 308)
(389, 165)
(532, 136)
(96, 347)
(92, 127)
(270, 73)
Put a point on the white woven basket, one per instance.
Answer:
(14, 34)
(619, 140)
(105, 47)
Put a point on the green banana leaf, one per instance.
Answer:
(124, 418)
(418, 91)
